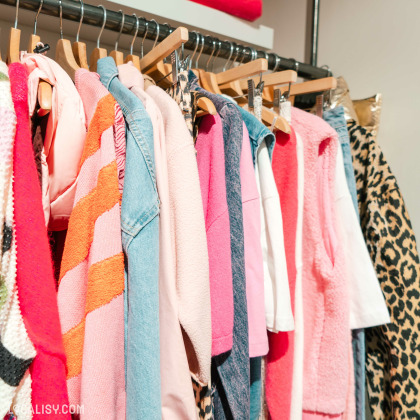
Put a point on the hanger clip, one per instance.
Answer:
(175, 66)
(251, 92)
(320, 105)
(41, 48)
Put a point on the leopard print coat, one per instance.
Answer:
(393, 350)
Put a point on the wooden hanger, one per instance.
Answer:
(208, 79)
(229, 80)
(118, 56)
(98, 52)
(268, 117)
(159, 52)
(44, 88)
(241, 72)
(63, 51)
(13, 48)
(79, 48)
(135, 59)
(312, 86)
(206, 106)
(161, 71)
(273, 79)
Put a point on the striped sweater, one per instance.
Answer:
(90, 293)
(16, 350)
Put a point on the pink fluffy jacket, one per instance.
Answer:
(325, 294)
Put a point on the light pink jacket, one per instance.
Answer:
(64, 138)
(184, 295)
(211, 168)
(325, 292)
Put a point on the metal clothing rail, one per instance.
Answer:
(94, 15)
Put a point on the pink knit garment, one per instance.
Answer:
(211, 169)
(35, 278)
(325, 292)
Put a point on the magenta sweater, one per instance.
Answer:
(211, 168)
(35, 280)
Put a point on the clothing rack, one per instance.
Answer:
(93, 15)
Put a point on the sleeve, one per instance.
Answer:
(278, 309)
(367, 303)
(192, 265)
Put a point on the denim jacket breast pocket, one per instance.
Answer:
(140, 202)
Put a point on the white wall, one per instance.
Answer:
(375, 45)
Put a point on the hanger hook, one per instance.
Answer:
(278, 60)
(61, 18)
(37, 14)
(211, 55)
(135, 34)
(230, 55)
(201, 50)
(195, 48)
(157, 32)
(326, 67)
(144, 37)
(17, 14)
(121, 28)
(244, 54)
(235, 56)
(219, 47)
(98, 41)
(82, 15)
(296, 65)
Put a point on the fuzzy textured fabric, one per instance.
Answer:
(279, 370)
(325, 291)
(34, 265)
(90, 293)
(189, 235)
(211, 168)
(16, 350)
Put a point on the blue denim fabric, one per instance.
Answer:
(230, 371)
(255, 392)
(257, 133)
(140, 238)
(336, 119)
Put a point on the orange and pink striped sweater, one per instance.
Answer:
(90, 294)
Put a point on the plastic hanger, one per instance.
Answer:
(98, 52)
(13, 49)
(118, 56)
(135, 59)
(79, 48)
(63, 51)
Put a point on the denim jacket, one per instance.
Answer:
(257, 133)
(140, 239)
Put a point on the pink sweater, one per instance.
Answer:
(90, 294)
(325, 294)
(211, 168)
(254, 268)
(35, 280)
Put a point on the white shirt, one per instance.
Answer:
(367, 303)
(278, 310)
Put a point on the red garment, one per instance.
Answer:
(244, 9)
(35, 280)
(280, 357)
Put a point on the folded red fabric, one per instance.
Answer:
(244, 9)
